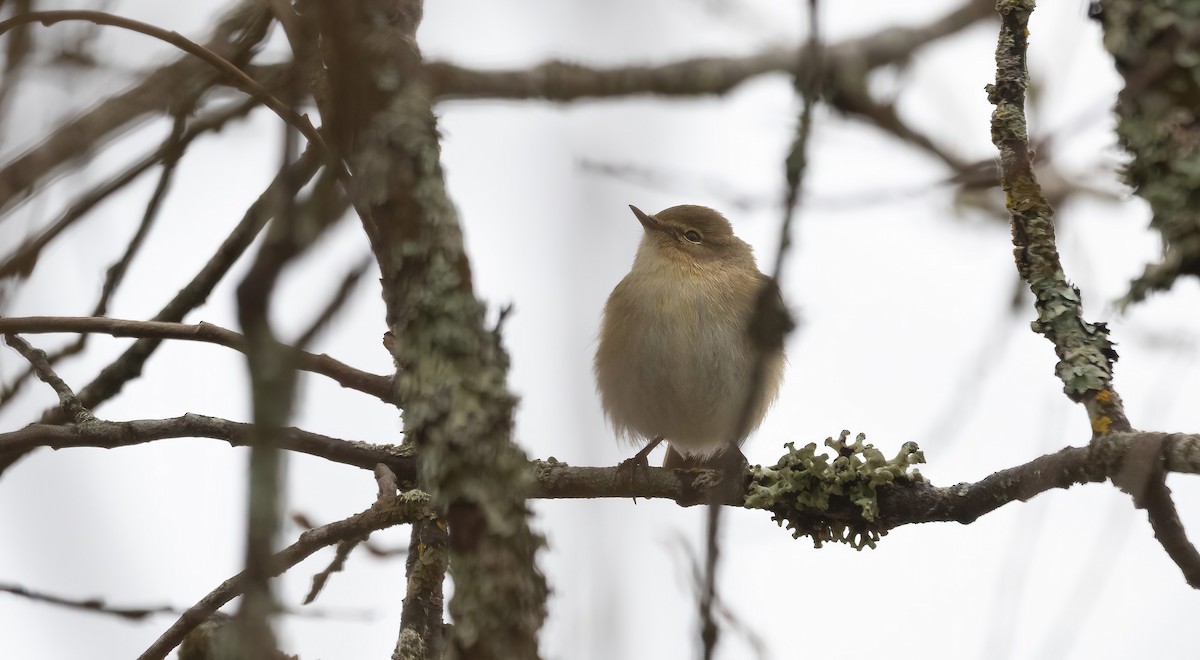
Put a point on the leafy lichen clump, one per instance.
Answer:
(804, 480)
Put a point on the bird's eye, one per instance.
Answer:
(692, 235)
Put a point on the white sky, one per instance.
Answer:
(906, 335)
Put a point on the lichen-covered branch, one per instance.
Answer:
(422, 632)
(915, 502)
(1155, 51)
(451, 370)
(1085, 354)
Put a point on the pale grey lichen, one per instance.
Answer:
(1154, 49)
(804, 483)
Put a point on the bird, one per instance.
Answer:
(678, 351)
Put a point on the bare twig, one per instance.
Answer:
(344, 548)
(172, 151)
(113, 377)
(22, 260)
(398, 510)
(67, 400)
(236, 75)
(237, 32)
(1143, 476)
(562, 81)
(96, 605)
(112, 435)
(336, 301)
(377, 386)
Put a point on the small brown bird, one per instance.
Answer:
(676, 359)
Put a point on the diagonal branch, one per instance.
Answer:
(22, 260)
(67, 400)
(129, 365)
(397, 510)
(228, 69)
(237, 32)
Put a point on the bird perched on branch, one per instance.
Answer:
(691, 345)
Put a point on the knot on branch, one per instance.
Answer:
(804, 488)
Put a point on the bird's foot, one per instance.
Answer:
(628, 469)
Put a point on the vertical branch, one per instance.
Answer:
(273, 381)
(451, 370)
(1086, 355)
(421, 627)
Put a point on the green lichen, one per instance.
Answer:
(804, 483)
(1154, 49)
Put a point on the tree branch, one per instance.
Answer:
(1086, 355)
(397, 510)
(129, 366)
(235, 75)
(96, 605)
(239, 29)
(377, 386)
(105, 434)
(23, 260)
(899, 505)
(67, 400)
(451, 368)
(563, 81)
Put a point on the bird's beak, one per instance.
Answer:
(648, 221)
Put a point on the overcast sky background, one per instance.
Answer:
(906, 335)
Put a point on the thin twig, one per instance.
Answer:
(335, 304)
(236, 34)
(241, 80)
(377, 386)
(96, 605)
(398, 510)
(113, 377)
(22, 260)
(67, 400)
